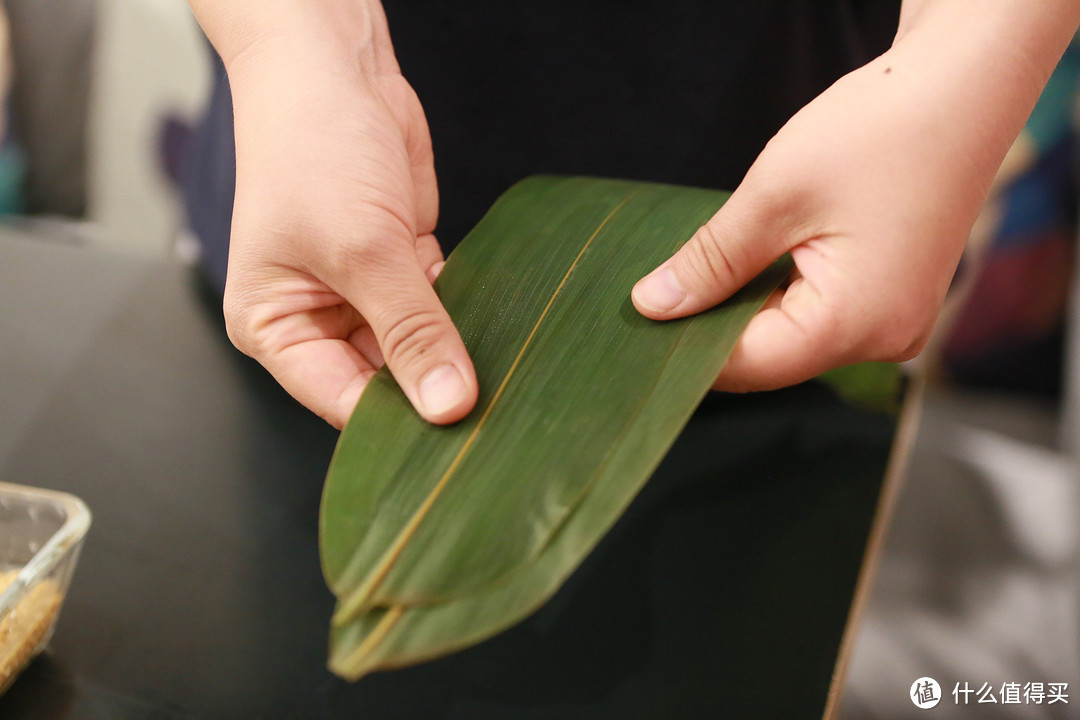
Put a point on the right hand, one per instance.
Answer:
(332, 253)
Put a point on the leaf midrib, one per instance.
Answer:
(356, 602)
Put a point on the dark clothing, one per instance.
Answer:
(679, 92)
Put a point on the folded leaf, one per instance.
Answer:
(436, 537)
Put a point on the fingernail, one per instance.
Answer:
(659, 292)
(434, 270)
(442, 390)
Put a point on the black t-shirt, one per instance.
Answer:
(663, 90)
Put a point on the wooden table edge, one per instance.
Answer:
(895, 474)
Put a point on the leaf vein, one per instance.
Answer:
(357, 599)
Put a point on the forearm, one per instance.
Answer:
(333, 31)
(982, 65)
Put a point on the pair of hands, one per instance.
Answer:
(872, 187)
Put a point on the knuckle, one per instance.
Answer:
(829, 330)
(411, 337)
(362, 255)
(710, 258)
(852, 329)
(780, 196)
(914, 346)
(902, 337)
(237, 324)
(374, 243)
(243, 326)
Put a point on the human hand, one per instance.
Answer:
(873, 188)
(332, 254)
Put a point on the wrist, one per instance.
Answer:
(996, 54)
(325, 35)
(976, 72)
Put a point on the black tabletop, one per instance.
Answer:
(723, 592)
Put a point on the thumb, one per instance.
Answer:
(417, 338)
(737, 243)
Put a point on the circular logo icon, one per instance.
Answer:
(925, 693)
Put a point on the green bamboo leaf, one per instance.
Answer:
(436, 537)
(872, 385)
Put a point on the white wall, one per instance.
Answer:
(150, 58)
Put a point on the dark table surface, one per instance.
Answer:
(723, 592)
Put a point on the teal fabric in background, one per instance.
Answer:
(1008, 335)
(12, 177)
(1052, 118)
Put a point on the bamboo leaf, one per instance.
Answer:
(436, 537)
(872, 385)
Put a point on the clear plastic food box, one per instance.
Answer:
(41, 533)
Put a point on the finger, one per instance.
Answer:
(793, 338)
(325, 375)
(427, 192)
(750, 231)
(418, 340)
(323, 357)
(422, 169)
(429, 254)
(364, 340)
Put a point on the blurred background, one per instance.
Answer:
(979, 578)
(97, 89)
